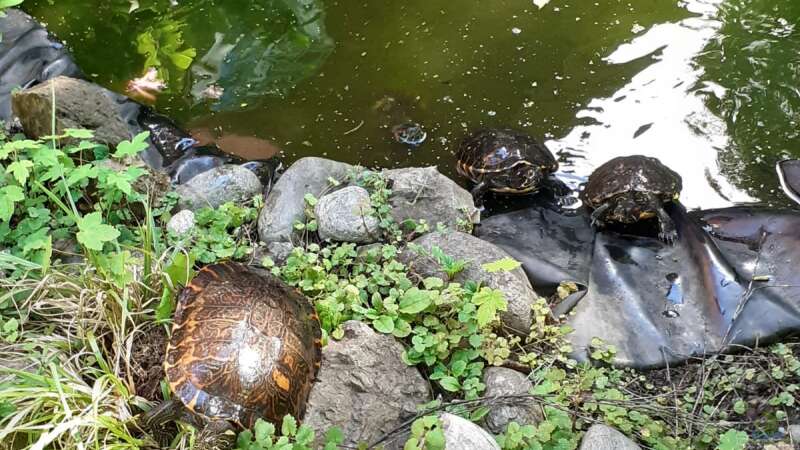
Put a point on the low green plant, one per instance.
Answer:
(444, 324)
(226, 232)
(427, 433)
(263, 437)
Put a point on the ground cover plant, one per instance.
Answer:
(73, 316)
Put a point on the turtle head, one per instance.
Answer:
(525, 178)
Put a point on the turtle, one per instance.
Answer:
(628, 189)
(508, 161)
(244, 346)
(411, 134)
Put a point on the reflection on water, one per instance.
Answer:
(755, 58)
(707, 86)
(659, 112)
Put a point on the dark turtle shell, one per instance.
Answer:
(635, 173)
(496, 151)
(244, 346)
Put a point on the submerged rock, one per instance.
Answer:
(286, 203)
(461, 434)
(422, 193)
(501, 381)
(79, 104)
(218, 186)
(475, 252)
(364, 387)
(345, 216)
(603, 437)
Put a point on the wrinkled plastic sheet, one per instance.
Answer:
(28, 56)
(731, 280)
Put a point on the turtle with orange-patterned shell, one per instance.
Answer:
(244, 346)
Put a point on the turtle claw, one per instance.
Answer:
(668, 236)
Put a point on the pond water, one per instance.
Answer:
(712, 88)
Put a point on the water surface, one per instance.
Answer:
(709, 87)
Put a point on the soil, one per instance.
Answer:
(147, 362)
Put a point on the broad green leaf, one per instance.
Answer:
(166, 306)
(78, 133)
(434, 440)
(83, 172)
(305, 436)
(183, 60)
(501, 265)
(414, 301)
(132, 147)
(401, 328)
(384, 324)
(94, 233)
(263, 431)
(450, 384)
(9, 3)
(20, 170)
(9, 196)
(334, 435)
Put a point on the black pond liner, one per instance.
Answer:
(732, 278)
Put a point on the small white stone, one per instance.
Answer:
(181, 222)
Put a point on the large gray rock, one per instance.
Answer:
(364, 387)
(476, 252)
(220, 185)
(603, 437)
(794, 433)
(285, 204)
(345, 216)
(79, 104)
(424, 193)
(501, 381)
(461, 434)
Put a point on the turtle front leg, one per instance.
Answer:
(560, 190)
(667, 230)
(478, 192)
(599, 214)
(152, 421)
(217, 435)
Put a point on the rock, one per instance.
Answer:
(277, 251)
(501, 381)
(364, 387)
(461, 246)
(461, 434)
(779, 446)
(424, 193)
(286, 203)
(220, 185)
(603, 437)
(794, 434)
(79, 104)
(181, 222)
(30, 55)
(344, 216)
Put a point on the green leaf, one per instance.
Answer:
(264, 431)
(80, 173)
(305, 436)
(450, 384)
(20, 170)
(733, 440)
(489, 302)
(132, 147)
(289, 426)
(9, 3)
(384, 324)
(434, 440)
(414, 301)
(183, 60)
(9, 196)
(94, 233)
(334, 435)
(78, 133)
(401, 328)
(166, 306)
(739, 407)
(501, 265)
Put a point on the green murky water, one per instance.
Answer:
(710, 87)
